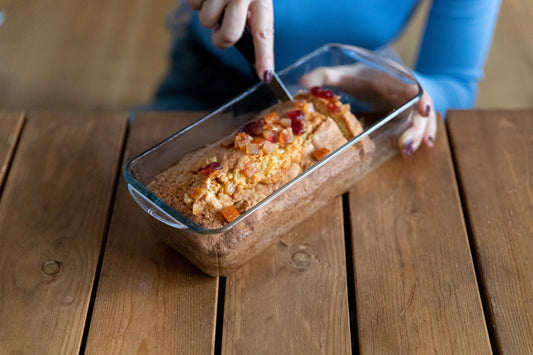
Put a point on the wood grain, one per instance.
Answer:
(292, 299)
(149, 298)
(53, 218)
(494, 153)
(416, 289)
(10, 130)
(79, 55)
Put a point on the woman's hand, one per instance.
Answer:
(257, 14)
(384, 91)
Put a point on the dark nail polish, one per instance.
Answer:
(217, 27)
(267, 76)
(428, 110)
(408, 148)
(431, 141)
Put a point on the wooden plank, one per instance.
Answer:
(79, 55)
(292, 299)
(53, 218)
(416, 287)
(496, 174)
(10, 129)
(149, 298)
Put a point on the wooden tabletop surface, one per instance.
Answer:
(432, 254)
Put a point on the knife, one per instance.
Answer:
(245, 45)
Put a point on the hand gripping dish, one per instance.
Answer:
(225, 187)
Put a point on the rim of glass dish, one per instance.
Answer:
(369, 58)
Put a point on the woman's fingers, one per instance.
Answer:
(410, 139)
(195, 4)
(233, 23)
(262, 26)
(211, 11)
(424, 127)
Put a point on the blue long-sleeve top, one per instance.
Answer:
(452, 54)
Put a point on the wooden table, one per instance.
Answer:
(427, 255)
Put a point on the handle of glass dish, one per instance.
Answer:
(154, 210)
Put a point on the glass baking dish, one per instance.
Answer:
(382, 94)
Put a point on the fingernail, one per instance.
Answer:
(408, 148)
(267, 76)
(428, 110)
(217, 27)
(431, 141)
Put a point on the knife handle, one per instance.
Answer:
(245, 45)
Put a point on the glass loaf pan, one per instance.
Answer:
(382, 95)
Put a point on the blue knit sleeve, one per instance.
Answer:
(454, 49)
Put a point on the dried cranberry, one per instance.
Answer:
(296, 115)
(314, 90)
(254, 128)
(325, 94)
(332, 107)
(298, 121)
(210, 168)
(298, 127)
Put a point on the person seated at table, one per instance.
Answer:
(206, 71)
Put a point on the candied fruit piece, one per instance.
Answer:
(211, 169)
(254, 128)
(230, 188)
(285, 122)
(268, 147)
(299, 104)
(286, 136)
(252, 149)
(321, 153)
(241, 139)
(318, 92)
(258, 141)
(197, 193)
(230, 213)
(272, 118)
(314, 90)
(296, 115)
(270, 136)
(298, 127)
(332, 107)
(250, 170)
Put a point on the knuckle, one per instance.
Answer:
(206, 20)
(195, 4)
(264, 34)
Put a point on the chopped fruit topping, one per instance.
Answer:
(252, 149)
(321, 153)
(230, 213)
(242, 139)
(309, 107)
(271, 127)
(298, 127)
(197, 209)
(296, 115)
(285, 122)
(272, 118)
(325, 94)
(268, 147)
(286, 136)
(298, 118)
(258, 141)
(250, 170)
(254, 128)
(230, 188)
(299, 104)
(270, 136)
(332, 107)
(211, 169)
(197, 193)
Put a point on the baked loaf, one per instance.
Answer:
(215, 184)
